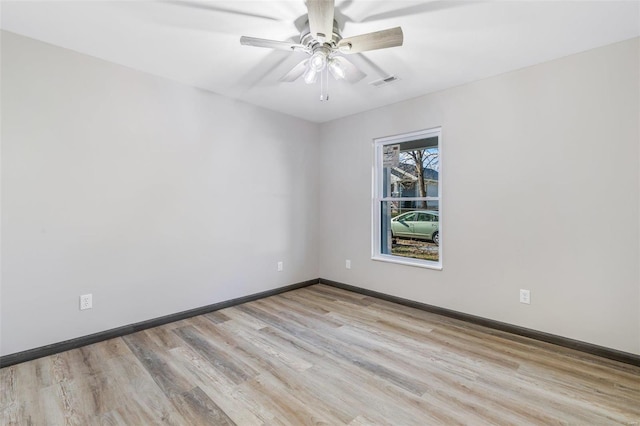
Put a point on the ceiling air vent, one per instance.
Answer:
(384, 81)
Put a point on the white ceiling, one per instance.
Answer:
(446, 43)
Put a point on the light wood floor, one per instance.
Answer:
(320, 355)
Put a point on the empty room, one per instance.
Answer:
(349, 212)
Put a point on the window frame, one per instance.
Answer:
(378, 198)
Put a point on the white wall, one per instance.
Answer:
(540, 191)
(154, 197)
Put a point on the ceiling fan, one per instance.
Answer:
(321, 40)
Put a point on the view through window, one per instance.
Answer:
(407, 199)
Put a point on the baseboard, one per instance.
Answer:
(613, 354)
(616, 355)
(55, 348)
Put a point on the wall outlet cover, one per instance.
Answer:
(86, 302)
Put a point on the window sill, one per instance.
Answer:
(408, 261)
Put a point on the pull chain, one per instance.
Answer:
(324, 84)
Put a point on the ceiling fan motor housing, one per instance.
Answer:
(307, 39)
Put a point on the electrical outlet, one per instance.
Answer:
(280, 266)
(347, 264)
(86, 302)
(525, 296)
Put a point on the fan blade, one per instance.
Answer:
(371, 41)
(371, 64)
(295, 72)
(321, 19)
(272, 44)
(432, 6)
(216, 8)
(351, 73)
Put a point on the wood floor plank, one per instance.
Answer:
(226, 394)
(198, 408)
(320, 355)
(215, 354)
(237, 317)
(289, 404)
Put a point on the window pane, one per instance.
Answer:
(416, 172)
(410, 229)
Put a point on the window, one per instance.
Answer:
(406, 199)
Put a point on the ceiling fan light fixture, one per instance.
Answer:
(318, 60)
(310, 75)
(337, 69)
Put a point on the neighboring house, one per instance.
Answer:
(404, 184)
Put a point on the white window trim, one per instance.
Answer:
(376, 199)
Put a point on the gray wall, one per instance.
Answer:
(540, 191)
(154, 197)
(157, 198)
